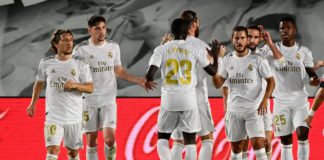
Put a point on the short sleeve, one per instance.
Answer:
(85, 74)
(41, 74)
(117, 60)
(264, 69)
(156, 58)
(308, 61)
(221, 67)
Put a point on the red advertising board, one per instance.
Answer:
(22, 137)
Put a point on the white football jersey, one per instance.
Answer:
(102, 60)
(289, 77)
(244, 79)
(201, 87)
(63, 107)
(177, 60)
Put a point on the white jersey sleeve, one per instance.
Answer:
(41, 74)
(266, 52)
(264, 69)
(308, 61)
(85, 74)
(117, 60)
(156, 58)
(221, 68)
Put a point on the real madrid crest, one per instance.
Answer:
(73, 73)
(298, 55)
(250, 67)
(110, 55)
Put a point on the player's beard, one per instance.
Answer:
(197, 32)
(252, 47)
(240, 49)
(67, 52)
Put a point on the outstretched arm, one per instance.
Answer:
(316, 104)
(38, 86)
(149, 77)
(123, 74)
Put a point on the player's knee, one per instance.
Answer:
(53, 150)
(286, 140)
(302, 133)
(267, 145)
(257, 143)
(236, 147)
(73, 153)
(92, 139)
(189, 138)
(110, 141)
(207, 137)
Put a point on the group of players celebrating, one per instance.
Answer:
(248, 77)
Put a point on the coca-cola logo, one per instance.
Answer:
(142, 139)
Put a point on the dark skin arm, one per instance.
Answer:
(314, 80)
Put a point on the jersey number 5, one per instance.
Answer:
(186, 70)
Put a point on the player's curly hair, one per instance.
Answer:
(179, 28)
(56, 37)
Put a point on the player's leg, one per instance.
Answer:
(302, 130)
(206, 132)
(73, 140)
(283, 128)
(190, 125)
(167, 122)
(91, 126)
(109, 121)
(245, 148)
(255, 129)
(178, 144)
(235, 132)
(53, 134)
(267, 119)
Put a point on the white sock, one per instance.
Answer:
(110, 152)
(286, 152)
(269, 154)
(303, 150)
(176, 151)
(206, 149)
(91, 153)
(191, 152)
(51, 156)
(75, 158)
(163, 149)
(245, 155)
(237, 156)
(261, 154)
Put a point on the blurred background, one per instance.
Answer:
(137, 25)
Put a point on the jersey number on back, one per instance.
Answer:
(174, 65)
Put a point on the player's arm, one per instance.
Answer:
(268, 40)
(81, 87)
(314, 80)
(124, 75)
(319, 64)
(319, 98)
(267, 95)
(149, 77)
(38, 86)
(225, 95)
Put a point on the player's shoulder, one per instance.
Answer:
(197, 42)
(112, 42)
(52, 57)
(79, 59)
(82, 44)
(303, 48)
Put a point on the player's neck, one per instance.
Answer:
(242, 53)
(289, 43)
(97, 42)
(63, 57)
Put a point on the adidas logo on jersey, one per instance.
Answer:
(110, 55)
(53, 71)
